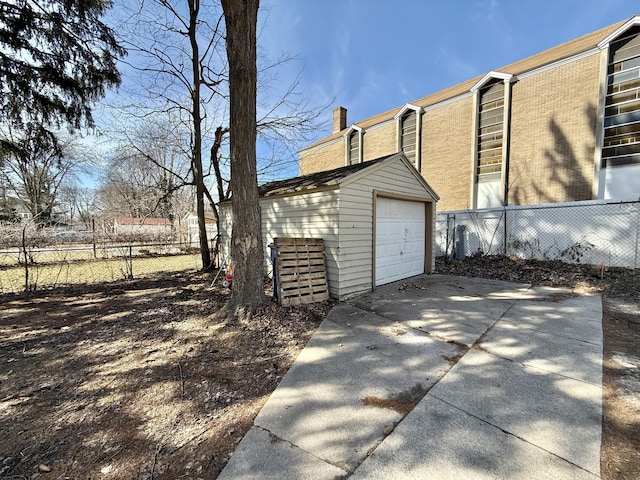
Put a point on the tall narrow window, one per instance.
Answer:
(490, 132)
(409, 131)
(353, 148)
(408, 137)
(490, 138)
(622, 112)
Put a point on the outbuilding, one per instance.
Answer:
(376, 220)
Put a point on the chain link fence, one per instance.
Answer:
(593, 232)
(36, 260)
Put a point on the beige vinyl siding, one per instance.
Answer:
(356, 220)
(342, 216)
(313, 215)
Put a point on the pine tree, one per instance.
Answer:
(56, 58)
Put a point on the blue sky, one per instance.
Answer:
(373, 55)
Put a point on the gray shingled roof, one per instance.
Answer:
(315, 180)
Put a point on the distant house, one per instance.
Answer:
(13, 208)
(142, 226)
(20, 211)
(192, 231)
(23, 215)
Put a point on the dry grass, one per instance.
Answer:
(55, 271)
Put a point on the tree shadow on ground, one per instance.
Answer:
(137, 380)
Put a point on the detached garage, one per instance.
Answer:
(376, 220)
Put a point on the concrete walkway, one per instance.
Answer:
(447, 378)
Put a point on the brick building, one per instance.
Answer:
(560, 126)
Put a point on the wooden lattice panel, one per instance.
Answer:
(300, 270)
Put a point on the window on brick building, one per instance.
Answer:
(354, 151)
(490, 140)
(622, 112)
(621, 145)
(490, 132)
(408, 121)
(408, 135)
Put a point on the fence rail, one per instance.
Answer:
(592, 232)
(30, 268)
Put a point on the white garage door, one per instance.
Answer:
(400, 239)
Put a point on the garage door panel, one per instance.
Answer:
(400, 239)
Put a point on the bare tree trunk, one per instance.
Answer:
(246, 240)
(198, 175)
(215, 161)
(216, 213)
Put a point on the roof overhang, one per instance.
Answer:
(632, 22)
(492, 75)
(351, 129)
(406, 108)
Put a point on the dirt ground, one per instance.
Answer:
(140, 380)
(136, 380)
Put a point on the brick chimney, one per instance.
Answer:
(339, 119)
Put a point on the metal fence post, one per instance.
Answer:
(26, 262)
(93, 236)
(505, 232)
(635, 260)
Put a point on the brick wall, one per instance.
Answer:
(447, 151)
(553, 120)
(552, 141)
(380, 141)
(376, 143)
(323, 158)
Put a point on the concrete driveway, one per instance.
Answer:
(439, 377)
